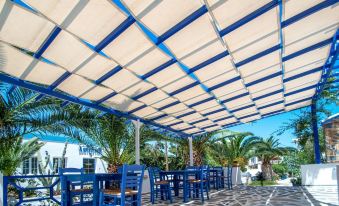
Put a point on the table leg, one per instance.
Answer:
(95, 192)
(185, 187)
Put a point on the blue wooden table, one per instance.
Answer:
(180, 176)
(97, 180)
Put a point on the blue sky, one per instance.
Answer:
(265, 127)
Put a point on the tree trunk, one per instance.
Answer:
(266, 169)
(197, 157)
(166, 156)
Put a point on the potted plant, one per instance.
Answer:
(260, 177)
(296, 181)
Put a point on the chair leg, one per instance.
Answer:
(101, 199)
(169, 194)
(202, 191)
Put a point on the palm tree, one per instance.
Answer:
(21, 114)
(113, 134)
(14, 151)
(267, 150)
(234, 147)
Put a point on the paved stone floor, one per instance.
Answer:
(257, 196)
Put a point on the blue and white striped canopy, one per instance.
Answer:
(190, 66)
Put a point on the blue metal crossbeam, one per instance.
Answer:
(115, 33)
(194, 16)
(250, 115)
(108, 74)
(49, 92)
(279, 73)
(272, 104)
(249, 17)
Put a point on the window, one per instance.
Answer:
(89, 165)
(57, 163)
(30, 166)
(34, 165)
(25, 167)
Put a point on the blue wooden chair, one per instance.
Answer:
(159, 185)
(130, 190)
(216, 177)
(78, 186)
(200, 184)
(227, 178)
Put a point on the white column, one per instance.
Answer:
(137, 125)
(191, 150)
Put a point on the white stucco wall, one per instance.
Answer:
(319, 174)
(73, 155)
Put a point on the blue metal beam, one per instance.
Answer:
(108, 74)
(235, 97)
(299, 101)
(312, 71)
(195, 15)
(249, 18)
(106, 98)
(47, 42)
(300, 90)
(213, 125)
(201, 102)
(317, 154)
(241, 108)
(186, 114)
(213, 112)
(279, 73)
(250, 115)
(308, 49)
(169, 105)
(259, 55)
(272, 104)
(158, 117)
(145, 93)
(223, 118)
(184, 88)
(308, 12)
(271, 113)
(200, 120)
(224, 83)
(159, 68)
(173, 124)
(49, 92)
(136, 109)
(209, 61)
(268, 94)
(115, 33)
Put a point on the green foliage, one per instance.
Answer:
(301, 123)
(233, 147)
(262, 183)
(268, 150)
(13, 151)
(280, 169)
(20, 115)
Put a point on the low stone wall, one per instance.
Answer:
(319, 174)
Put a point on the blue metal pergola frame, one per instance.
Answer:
(50, 91)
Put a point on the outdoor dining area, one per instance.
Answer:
(90, 70)
(125, 186)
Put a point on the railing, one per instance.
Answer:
(53, 181)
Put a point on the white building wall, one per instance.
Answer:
(74, 158)
(319, 174)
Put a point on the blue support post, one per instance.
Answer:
(317, 154)
(5, 190)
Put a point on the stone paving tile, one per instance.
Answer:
(258, 196)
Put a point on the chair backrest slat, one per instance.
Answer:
(132, 177)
